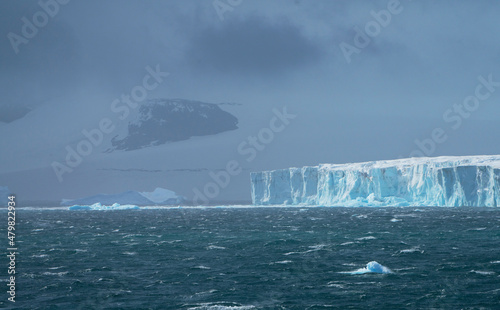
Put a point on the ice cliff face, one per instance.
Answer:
(440, 181)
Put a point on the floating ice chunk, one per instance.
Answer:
(371, 267)
(100, 207)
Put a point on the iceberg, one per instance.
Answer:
(100, 207)
(449, 181)
(371, 267)
(159, 196)
(163, 196)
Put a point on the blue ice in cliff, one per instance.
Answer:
(439, 181)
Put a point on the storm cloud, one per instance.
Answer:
(252, 46)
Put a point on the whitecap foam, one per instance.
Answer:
(347, 243)
(100, 207)
(316, 247)
(366, 238)
(482, 272)
(335, 284)
(412, 250)
(371, 267)
(220, 307)
(129, 253)
(215, 247)
(60, 274)
(40, 255)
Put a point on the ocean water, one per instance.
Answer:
(257, 258)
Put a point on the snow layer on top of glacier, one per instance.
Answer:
(442, 161)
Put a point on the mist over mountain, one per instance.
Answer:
(10, 113)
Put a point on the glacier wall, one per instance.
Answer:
(440, 181)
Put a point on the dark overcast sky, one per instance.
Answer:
(267, 54)
(429, 55)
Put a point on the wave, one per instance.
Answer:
(366, 238)
(482, 272)
(100, 207)
(412, 250)
(60, 274)
(213, 306)
(215, 247)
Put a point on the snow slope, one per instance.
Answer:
(439, 181)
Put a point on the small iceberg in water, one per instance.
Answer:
(100, 207)
(371, 267)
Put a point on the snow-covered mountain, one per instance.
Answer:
(159, 196)
(160, 121)
(42, 138)
(439, 181)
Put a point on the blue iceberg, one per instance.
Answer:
(439, 181)
(100, 207)
(371, 267)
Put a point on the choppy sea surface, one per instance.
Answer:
(256, 258)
